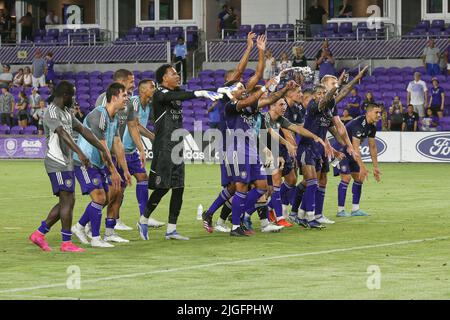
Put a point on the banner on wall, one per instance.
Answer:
(22, 147)
(426, 147)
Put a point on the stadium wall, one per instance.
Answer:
(416, 147)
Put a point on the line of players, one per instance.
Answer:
(309, 115)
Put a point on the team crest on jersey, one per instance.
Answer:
(95, 181)
(344, 168)
(68, 183)
(243, 174)
(158, 180)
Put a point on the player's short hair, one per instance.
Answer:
(64, 87)
(308, 92)
(114, 89)
(143, 82)
(319, 87)
(326, 77)
(371, 106)
(161, 71)
(122, 75)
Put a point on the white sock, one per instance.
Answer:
(355, 207)
(96, 238)
(280, 218)
(310, 216)
(264, 223)
(109, 231)
(118, 220)
(79, 226)
(142, 220)
(301, 214)
(220, 221)
(340, 209)
(171, 227)
(235, 227)
(285, 210)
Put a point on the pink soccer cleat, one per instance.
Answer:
(39, 239)
(70, 247)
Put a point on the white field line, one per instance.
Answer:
(209, 265)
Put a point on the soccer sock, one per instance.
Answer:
(320, 198)
(142, 195)
(66, 235)
(84, 218)
(356, 189)
(263, 213)
(154, 200)
(285, 193)
(171, 227)
(252, 198)
(110, 223)
(226, 210)
(95, 216)
(298, 195)
(310, 198)
(276, 203)
(342, 194)
(223, 196)
(176, 200)
(44, 228)
(237, 208)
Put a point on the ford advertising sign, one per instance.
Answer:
(436, 147)
(364, 148)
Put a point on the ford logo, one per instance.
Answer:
(435, 147)
(365, 151)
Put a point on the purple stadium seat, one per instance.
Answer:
(135, 31)
(164, 30)
(16, 130)
(188, 112)
(30, 130)
(4, 129)
(331, 27)
(423, 25)
(131, 38)
(244, 29)
(259, 29)
(289, 28)
(346, 27)
(149, 30)
(438, 24)
(144, 37)
(177, 30)
(273, 27)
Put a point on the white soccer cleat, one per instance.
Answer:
(80, 233)
(325, 220)
(175, 236)
(122, 226)
(271, 228)
(99, 243)
(222, 228)
(115, 238)
(155, 223)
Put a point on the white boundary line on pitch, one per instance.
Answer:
(201, 266)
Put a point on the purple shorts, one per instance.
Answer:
(306, 155)
(134, 163)
(123, 184)
(62, 181)
(246, 172)
(347, 165)
(91, 179)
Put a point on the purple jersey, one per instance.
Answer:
(318, 122)
(436, 96)
(359, 128)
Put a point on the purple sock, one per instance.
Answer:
(237, 207)
(110, 223)
(320, 198)
(66, 235)
(298, 196)
(309, 198)
(252, 198)
(142, 195)
(94, 210)
(356, 189)
(43, 228)
(223, 196)
(276, 202)
(285, 193)
(85, 218)
(342, 193)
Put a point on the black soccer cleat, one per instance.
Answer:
(239, 232)
(207, 222)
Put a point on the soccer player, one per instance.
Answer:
(352, 166)
(104, 123)
(142, 106)
(167, 169)
(58, 125)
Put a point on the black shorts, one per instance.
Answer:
(164, 174)
(435, 110)
(23, 116)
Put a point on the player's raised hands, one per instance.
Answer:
(261, 42)
(362, 72)
(342, 78)
(250, 37)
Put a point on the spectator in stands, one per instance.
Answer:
(179, 58)
(316, 16)
(395, 115)
(42, 19)
(6, 106)
(437, 99)
(354, 104)
(270, 66)
(51, 18)
(431, 56)
(78, 113)
(346, 117)
(27, 77)
(38, 116)
(417, 94)
(22, 107)
(6, 77)
(5, 25)
(345, 10)
(50, 75)
(368, 99)
(18, 78)
(223, 15)
(38, 70)
(34, 99)
(27, 26)
(284, 62)
(447, 57)
(430, 122)
(299, 57)
(230, 23)
(325, 61)
(410, 119)
(443, 63)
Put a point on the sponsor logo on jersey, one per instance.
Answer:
(436, 147)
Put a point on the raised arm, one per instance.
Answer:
(237, 74)
(261, 44)
(274, 97)
(346, 90)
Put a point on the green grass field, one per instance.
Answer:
(407, 236)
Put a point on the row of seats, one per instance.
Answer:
(171, 34)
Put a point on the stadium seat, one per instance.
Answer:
(16, 130)
(4, 129)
